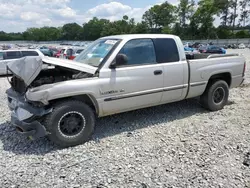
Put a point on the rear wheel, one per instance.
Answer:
(70, 123)
(215, 96)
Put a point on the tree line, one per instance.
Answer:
(188, 19)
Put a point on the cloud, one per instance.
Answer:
(116, 10)
(109, 9)
(18, 15)
(30, 16)
(66, 12)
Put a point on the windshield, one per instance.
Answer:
(96, 52)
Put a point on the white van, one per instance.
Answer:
(9, 55)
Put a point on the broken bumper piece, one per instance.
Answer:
(24, 116)
(33, 130)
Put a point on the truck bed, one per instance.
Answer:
(202, 69)
(207, 56)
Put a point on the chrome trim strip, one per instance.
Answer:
(174, 88)
(197, 84)
(145, 93)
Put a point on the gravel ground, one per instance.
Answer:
(174, 145)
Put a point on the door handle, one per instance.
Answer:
(157, 72)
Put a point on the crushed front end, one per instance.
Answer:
(29, 76)
(25, 116)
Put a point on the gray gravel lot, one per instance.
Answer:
(174, 145)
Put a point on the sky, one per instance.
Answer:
(18, 15)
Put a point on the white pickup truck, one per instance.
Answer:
(62, 98)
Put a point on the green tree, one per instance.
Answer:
(140, 28)
(42, 34)
(234, 14)
(33, 34)
(160, 16)
(4, 36)
(124, 26)
(225, 11)
(185, 10)
(242, 34)
(93, 29)
(177, 30)
(224, 32)
(244, 14)
(204, 17)
(71, 31)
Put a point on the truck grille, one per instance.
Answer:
(18, 85)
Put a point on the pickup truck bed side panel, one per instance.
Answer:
(203, 69)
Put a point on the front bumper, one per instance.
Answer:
(32, 130)
(25, 117)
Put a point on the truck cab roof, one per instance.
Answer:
(139, 36)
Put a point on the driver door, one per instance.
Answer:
(136, 84)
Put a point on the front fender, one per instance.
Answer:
(64, 89)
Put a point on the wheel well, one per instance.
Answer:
(222, 76)
(89, 100)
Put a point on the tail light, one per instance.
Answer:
(244, 69)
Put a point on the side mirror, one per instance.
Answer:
(121, 59)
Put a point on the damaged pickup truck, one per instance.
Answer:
(61, 99)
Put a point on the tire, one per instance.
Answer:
(211, 100)
(70, 123)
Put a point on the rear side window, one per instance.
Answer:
(139, 51)
(166, 50)
(62, 51)
(12, 55)
(29, 53)
(79, 51)
(69, 52)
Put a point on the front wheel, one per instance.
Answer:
(70, 123)
(215, 96)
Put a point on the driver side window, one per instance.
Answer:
(139, 51)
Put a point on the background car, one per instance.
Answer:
(54, 51)
(66, 53)
(202, 49)
(7, 56)
(215, 50)
(241, 46)
(232, 46)
(77, 52)
(46, 51)
(188, 49)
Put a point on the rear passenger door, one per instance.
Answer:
(175, 70)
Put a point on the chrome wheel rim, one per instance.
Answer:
(71, 124)
(219, 95)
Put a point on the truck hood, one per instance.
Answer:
(28, 68)
(70, 64)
